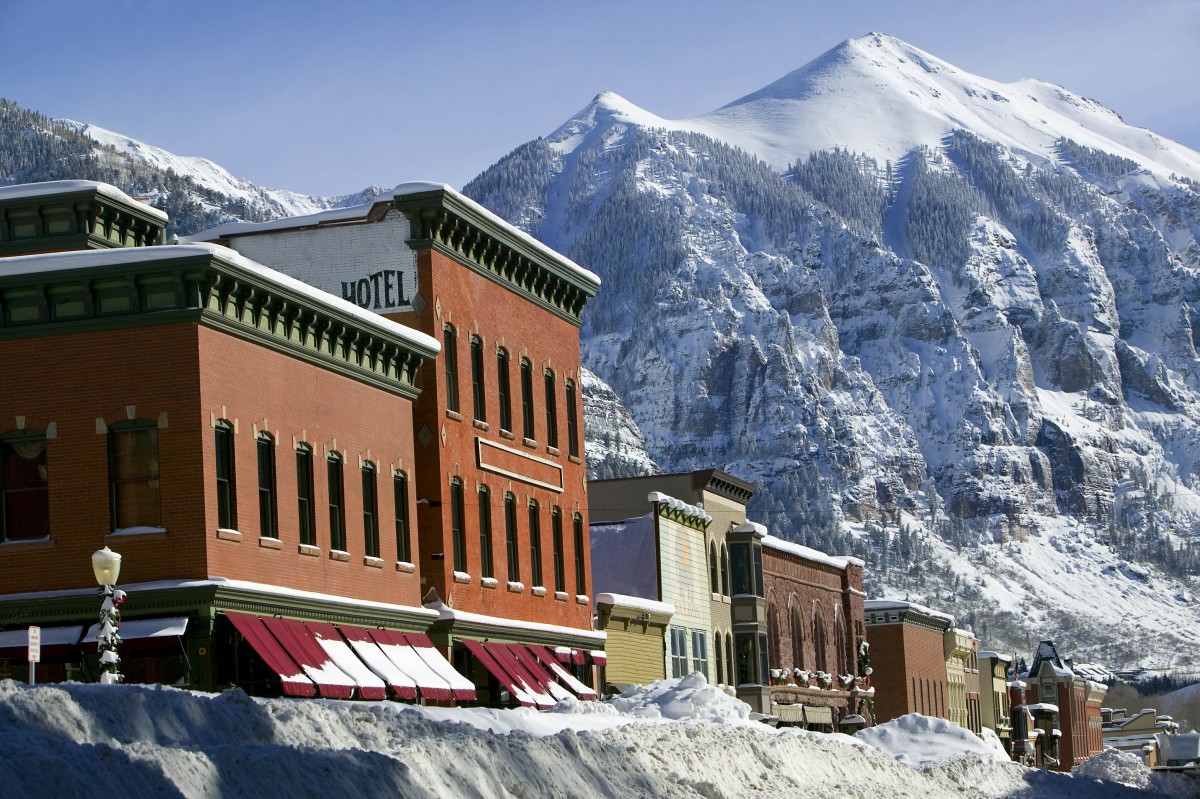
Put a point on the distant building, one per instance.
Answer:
(1076, 701)
(994, 704)
(637, 638)
(960, 649)
(908, 658)
(815, 633)
(658, 557)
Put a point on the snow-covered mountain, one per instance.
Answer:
(944, 322)
(195, 192)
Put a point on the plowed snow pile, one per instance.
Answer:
(76, 740)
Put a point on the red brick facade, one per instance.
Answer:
(476, 307)
(908, 660)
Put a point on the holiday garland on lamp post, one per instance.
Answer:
(106, 565)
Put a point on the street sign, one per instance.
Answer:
(35, 644)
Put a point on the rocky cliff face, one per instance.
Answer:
(980, 352)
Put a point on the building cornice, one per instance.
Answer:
(218, 293)
(75, 215)
(443, 220)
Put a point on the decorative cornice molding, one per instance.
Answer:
(218, 294)
(440, 220)
(86, 218)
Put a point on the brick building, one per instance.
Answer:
(1076, 701)
(908, 659)
(815, 627)
(501, 489)
(231, 431)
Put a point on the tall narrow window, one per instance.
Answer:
(485, 533)
(25, 507)
(268, 514)
(337, 503)
(477, 393)
(510, 538)
(551, 411)
(714, 570)
(305, 496)
(450, 358)
(700, 651)
(556, 532)
(527, 398)
(572, 421)
(226, 487)
(502, 381)
(725, 570)
(535, 544)
(457, 533)
(370, 498)
(678, 652)
(133, 474)
(580, 571)
(400, 493)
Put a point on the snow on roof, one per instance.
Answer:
(901, 604)
(51, 187)
(759, 530)
(996, 656)
(361, 211)
(45, 263)
(635, 603)
(690, 511)
(964, 633)
(1044, 707)
(447, 613)
(838, 562)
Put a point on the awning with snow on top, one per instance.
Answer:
(261, 641)
(526, 680)
(599, 658)
(401, 685)
(462, 688)
(430, 684)
(143, 635)
(565, 677)
(369, 684)
(500, 672)
(56, 642)
(295, 638)
(538, 671)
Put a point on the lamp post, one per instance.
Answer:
(106, 565)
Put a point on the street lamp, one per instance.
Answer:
(106, 565)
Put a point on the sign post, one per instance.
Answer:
(35, 652)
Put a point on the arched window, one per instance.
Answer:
(337, 502)
(400, 496)
(774, 651)
(305, 498)
(510, 538)
(714, 570)
(797, 625)
(133, 474)
(226, 476)
(725, 570)
(458, 535)
(556, 532)
(527, 398)
(450, 361)
(719, 658)
(370, 498)
(535, 544)
(485, 533)
(580, 570)
(551, 410)
(24, 486)
(268, 511)
(839, 643)
(505, 389)
(820, 650)
(478, 395)
(729, 671)
(572, 420)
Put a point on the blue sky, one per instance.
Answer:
(327, 98)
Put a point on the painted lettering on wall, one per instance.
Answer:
(377, 291)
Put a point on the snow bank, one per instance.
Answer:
(74, 740)
(688, 698)
(919, 741)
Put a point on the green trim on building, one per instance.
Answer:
(217, 293)
(443, 221)
(87, 218)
